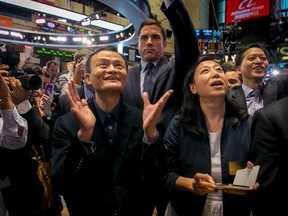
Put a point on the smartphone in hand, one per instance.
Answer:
(49, 88)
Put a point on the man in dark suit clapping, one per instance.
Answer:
(104, 149)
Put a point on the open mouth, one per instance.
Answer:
(217, 83)
(112, 78)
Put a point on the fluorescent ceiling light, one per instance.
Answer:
(4, 32)
(104, 38)
(48, 9)
(16, 34)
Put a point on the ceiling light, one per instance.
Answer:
(58, 12)
(40, 21)
(63, 39)
(4, 32)
(104, 38)
(16, 34)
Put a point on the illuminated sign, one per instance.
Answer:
(58, 53)
(50, 2)
(237, 10)
(209, 40)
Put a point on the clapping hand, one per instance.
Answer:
(82, 112)
(151, 114)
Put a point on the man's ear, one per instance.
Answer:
(193, 88)
(238, 69)
(165, 43)
(87, 78)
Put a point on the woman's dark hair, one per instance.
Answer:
(191, 114)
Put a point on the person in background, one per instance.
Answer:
(233, 77)
(254, 93)
(209, 131)
(78, 74)
(269, 147)
(103, 153)
(70, 67)
(85, 90)
(42, 128)
(152, 41)
(13, 133)
(22, 195)
(52, 67)
(40, 97)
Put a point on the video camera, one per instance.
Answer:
(10, 57)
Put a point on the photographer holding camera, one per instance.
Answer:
(13, 133)
(24, 193)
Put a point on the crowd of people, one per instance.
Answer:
(152, 139)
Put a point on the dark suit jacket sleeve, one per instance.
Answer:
(62, 105)
(185, 38)
(269, 148)
(38, 130)
(269, 141)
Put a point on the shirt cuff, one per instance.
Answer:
(89, 146)
(168, 2)
(24, 107)
(150, 143)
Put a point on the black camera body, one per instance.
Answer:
(28, 81)
(12, 59)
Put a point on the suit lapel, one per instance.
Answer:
(81, 92)
(270, 93)
(238, 95)
(163, 73)
(135, 85)
(125, 123)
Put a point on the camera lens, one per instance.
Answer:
(30, 81)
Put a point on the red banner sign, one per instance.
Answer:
(49, 2)
(6, 21)
(237, 10)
